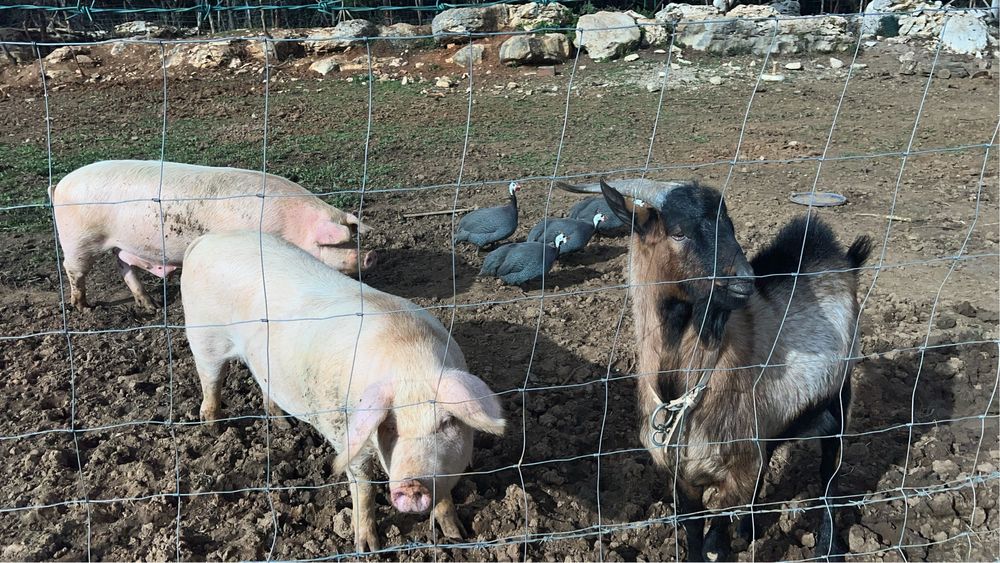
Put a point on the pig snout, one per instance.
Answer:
(411, 496)
(369, 261)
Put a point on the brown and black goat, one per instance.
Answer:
(775, 362)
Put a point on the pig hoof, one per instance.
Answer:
(146, 305)
(81, 305)
(452, 528)
(209, 414)
(367, 541)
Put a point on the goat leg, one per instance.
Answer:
(717, 540)
(828, 544)
(690, 508)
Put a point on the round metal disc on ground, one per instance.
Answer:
(817, 199)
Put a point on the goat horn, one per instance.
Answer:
(651, 191)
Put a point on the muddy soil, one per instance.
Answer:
(140, 479)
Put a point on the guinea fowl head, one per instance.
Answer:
(599, 218)
(513, 187)
(560, 240)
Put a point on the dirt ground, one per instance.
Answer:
(919, 477)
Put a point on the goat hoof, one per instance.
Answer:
(826, 552)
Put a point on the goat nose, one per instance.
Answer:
(411, 496)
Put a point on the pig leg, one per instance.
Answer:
(131, 275)
(77, 288)
(447, 517)
(212, 377)
(77, 263)
(363, 499)
(273, 410)
(211, 358)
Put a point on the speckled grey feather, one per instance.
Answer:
(585, 209)
(520, 262)
(486, 226)
(578, 232)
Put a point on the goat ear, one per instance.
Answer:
(625, 207)
(372, 408)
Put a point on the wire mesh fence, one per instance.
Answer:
(105, 453)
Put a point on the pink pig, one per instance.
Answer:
(116, 205)
(371, 372)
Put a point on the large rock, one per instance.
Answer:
(673, 13)
(347, 33)
(325, 66)
(401, 34)
(205, 55)
(753, 11)
(740, 36)
(535, 49)
(286, 45)
(449, 25)
(966, 33)
(877, 22)
(147, 29)
(654, 33)
(606, 35)
(534, 15)
(787, 7)
(65, 54)
(470, 53)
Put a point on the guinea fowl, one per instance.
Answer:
(579, 232)
(493, 224)
(522, 262)
(591, 206)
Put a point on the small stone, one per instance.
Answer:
(659, 52)
(342, 526)
(965, 309)
(857, 538)
(836, 63)
(443, 82)
(978, 517)
(908, 68)
(715, 80)
(951, 368)
(944, 468)
(942, 73)
(946, 322)
(908, 56)
(404, 81)
(808, 540)
(653, 87)
(512, 85)
(325, 66)
(793, 66)
(630, 58)
(546, 71)
(859, 66)
(772, 77)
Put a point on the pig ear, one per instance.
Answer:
(355, 224)
(376, 400)
(469, 399)
(330, 233)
